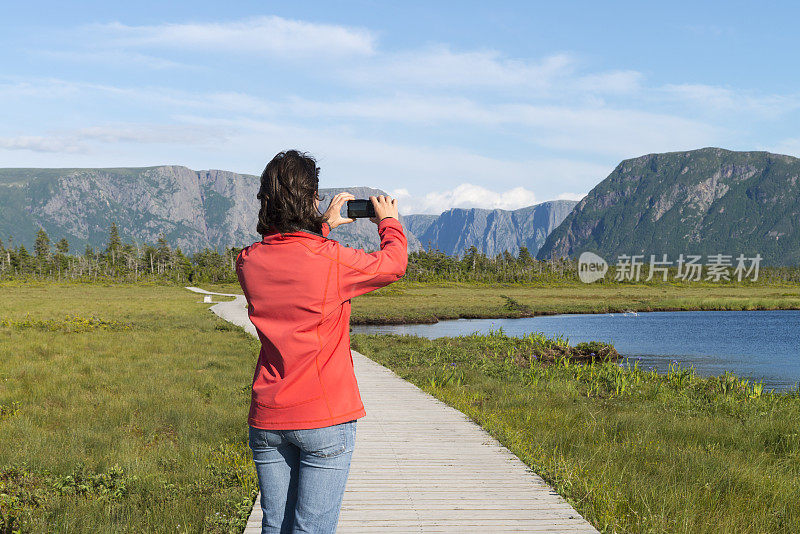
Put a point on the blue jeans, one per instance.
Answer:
(302, 475)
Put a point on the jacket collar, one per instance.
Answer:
(273, 235)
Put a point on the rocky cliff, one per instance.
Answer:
(420, 222)
(707, 201)
(490, 231)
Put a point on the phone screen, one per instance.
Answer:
(360, 208)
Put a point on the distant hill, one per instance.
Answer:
(218, 209)
(490, 231)
(193, 209)
(707, 201)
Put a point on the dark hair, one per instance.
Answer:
(289, 185)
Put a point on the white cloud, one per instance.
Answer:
(37, 143)
(463, 196)
(441, 67)
(399, 108)
(150, 133)
(598, 129)
(556, 75)
(566, 125)
(148, 97)
(85, 140)
(38, 88)
(616, 132)
(724, 99)
(622, 82)
(124, 59)
(266, 35)
(347, 158)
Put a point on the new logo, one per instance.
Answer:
(591, 267)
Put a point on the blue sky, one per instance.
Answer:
(441, 104)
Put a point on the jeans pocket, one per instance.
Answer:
(259, 438)
(324, 442)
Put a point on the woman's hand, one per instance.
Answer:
(333, 215)
(385, 206)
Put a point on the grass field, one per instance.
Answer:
(633, 451)
(122, 409)
(422, 303)
(405, 302)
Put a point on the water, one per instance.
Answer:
(758, 345)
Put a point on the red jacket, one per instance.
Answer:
(298, 287)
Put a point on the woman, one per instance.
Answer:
(298, 285)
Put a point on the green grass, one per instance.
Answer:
(633, 451)
(405, 302)
(123, 408)
(417, 302)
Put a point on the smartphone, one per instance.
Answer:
(360, 208)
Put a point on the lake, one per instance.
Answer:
(759, 345)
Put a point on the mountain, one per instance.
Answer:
(419, 222)
(192, 209)
(707, 201)
(490, 231)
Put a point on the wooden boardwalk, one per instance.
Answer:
(422, 466)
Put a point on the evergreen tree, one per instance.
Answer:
(470, 260)
(62, 247)
(22, 258)
(163, 254)
(114, 245)
(184, 265)
(61, 259)
(42, 245)
(149, 257)
(524, 256)
(130, 254)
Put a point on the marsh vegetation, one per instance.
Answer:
(121, 410)
(631, 450)
(122, 407)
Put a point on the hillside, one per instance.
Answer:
(707, 201)
(195, 210)
(192, 209)
(491, 231)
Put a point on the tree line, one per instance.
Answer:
(474, 266)
(120, 261)
(117, 261)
